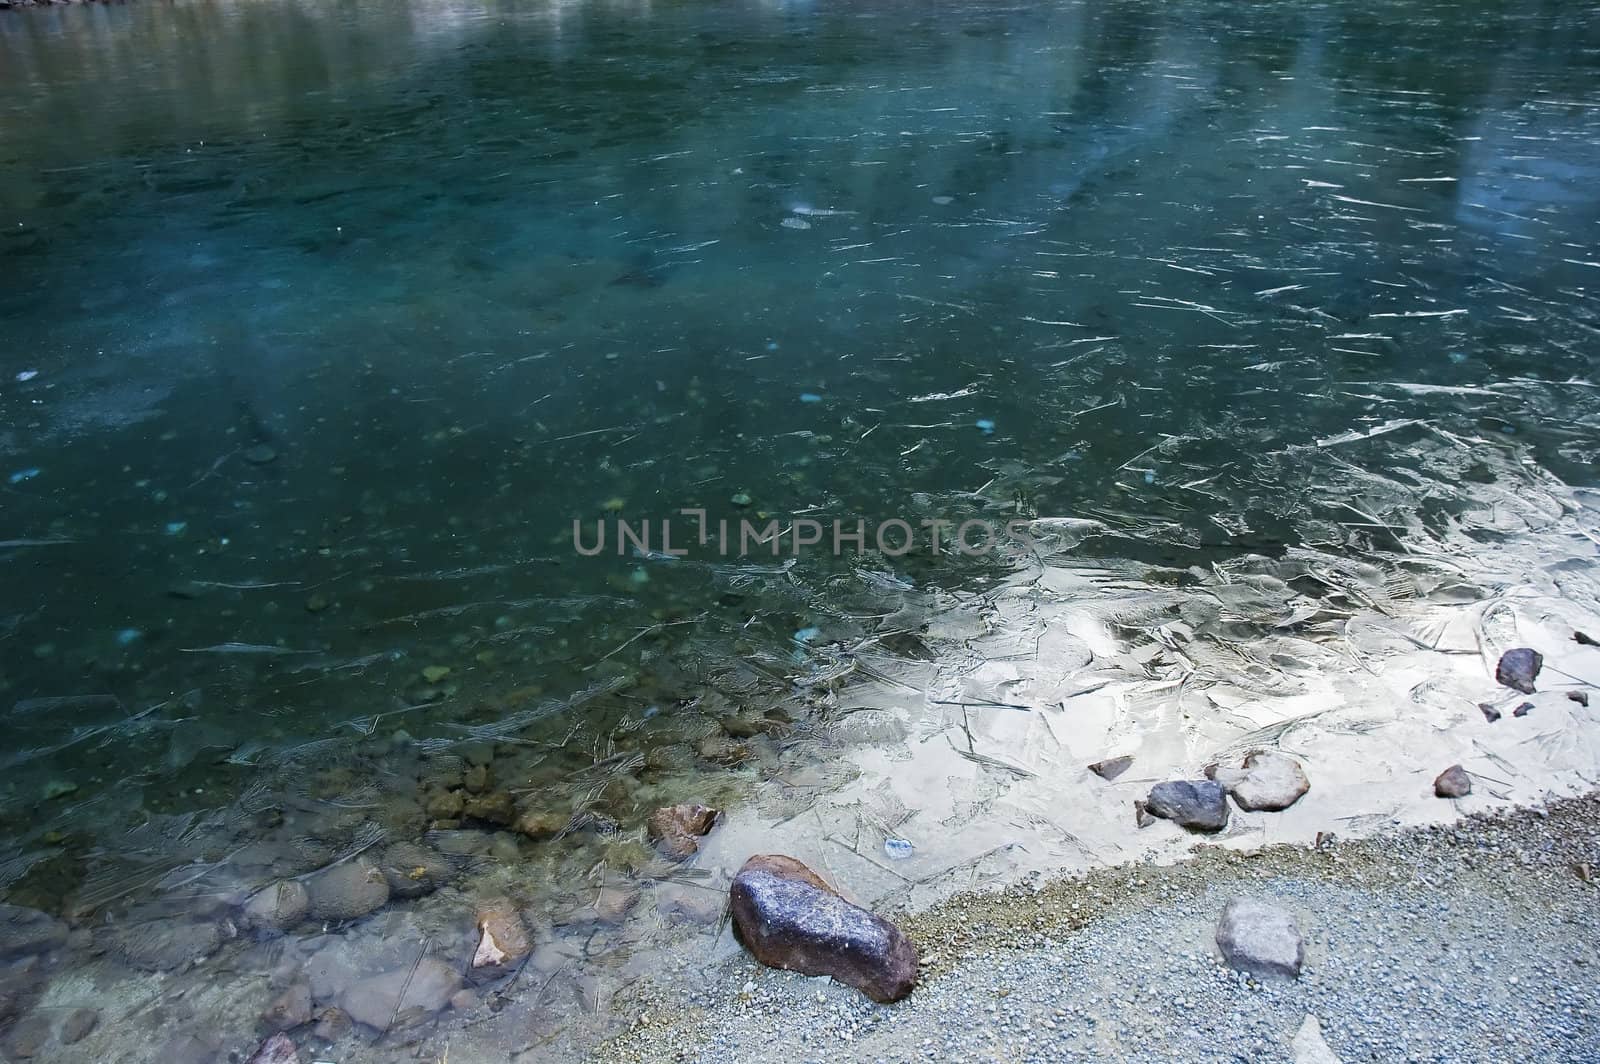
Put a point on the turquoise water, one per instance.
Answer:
(323, 323)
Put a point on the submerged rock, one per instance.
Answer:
(1111, 767)
(289, 1009)
(1453, 782)
(24, 932)
(503, 940)
(1260, 939)
(413, 870)
(332, 1024)
(377, 1002)
(787, 917)
(1519, 668)
(348, 890)
(1199, 805)
(28, 1037)
(164, 945)
(279, 1049)
(277, 908)
(674, 828)
(1267, 781)
(77, 1025)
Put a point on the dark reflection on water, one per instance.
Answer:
(322, 323)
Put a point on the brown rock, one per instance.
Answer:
(476, 779)
(673, 828)
(496, 808)
(787, 917)
(332, 1025)
(502, 940)
(1453, 782)
(444, 805)
(541, 824)
(289, 1009)
(722, 750)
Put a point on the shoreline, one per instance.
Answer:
(1408, 936)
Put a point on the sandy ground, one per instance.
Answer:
(1468, 942)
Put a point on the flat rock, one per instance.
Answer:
(1199, 805)
(164, 945)
(77, 1025)
(1453, 782)
(377, 1002)
(1111, 767)
(277, 908)
(674, 828)
(788, 917)
(279, 1049)
(1308, 1045)
(503, 940)
(348, 890)
(26, 931)
(28, 1037)
(1260, 939)
(1519, 668)
(289, 1009)
(1267, 781)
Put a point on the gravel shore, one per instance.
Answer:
(1470, 942)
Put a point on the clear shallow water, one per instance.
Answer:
(332, 320)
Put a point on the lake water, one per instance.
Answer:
(323, 323)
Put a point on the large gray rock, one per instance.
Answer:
(166, 944)
(1260, 939)
(787, 917)
(413, 870)
(27, 931)
(377, 1001)
(1519, 668)
(348, 890)
(1199, 805)
(1267, 781)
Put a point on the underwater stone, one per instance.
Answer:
(673, 828)
(502, 940)
(28, 1037)
(279, 1049)
(26, 931)
(1267, 781)
(1519, 668)
(1199, 805)
(377, 1002)
(289, 1009)
(278, 907)
(787, 917)
(413, 870)
(541, 824)
(346, 891)
(496, 808)
(163, 945)
(77, 1025)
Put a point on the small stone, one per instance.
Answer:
(502, 940)
(496, 808)
(413, 870)
(435, 673)
(788, 917)
(1585, 640)
(1111, 767)
(77, 1025)
(332, 1024)
(476, 779)
(261, 454)
(674, 828)
(1519, 668)
(279, 1049)
(464, 1000)
(1523, 710)
(59, 789)
(1199, 805)
(1453, 782)
(444, 805)
(317, 603)
(1260, 939)
(1141, 813)
(348, 890)
(277, 908)
(289, 1009)
(1490, 713)
(1580, 697)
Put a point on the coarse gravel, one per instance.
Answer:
(1470, 942)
